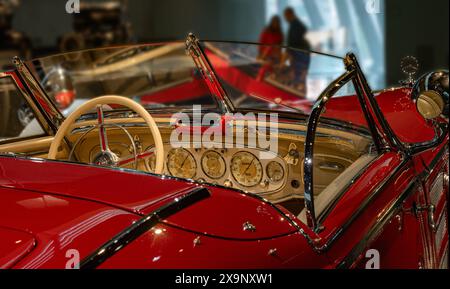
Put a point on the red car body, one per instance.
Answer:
(397, 205)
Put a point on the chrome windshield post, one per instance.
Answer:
(383, 135)
(42, 101)
(312, 121)
(194, 49)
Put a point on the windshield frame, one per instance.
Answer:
(382, 134)
(193, 48)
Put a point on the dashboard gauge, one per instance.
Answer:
(275, 171)
(213, 164)
(246, 169)
(181, 163)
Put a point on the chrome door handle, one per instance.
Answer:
(331, 166)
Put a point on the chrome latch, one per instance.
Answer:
(247, 226)
(430, 209)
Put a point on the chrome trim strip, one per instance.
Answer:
(441, 132)
(142, 226)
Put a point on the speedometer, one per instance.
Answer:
(246, 169)
(181, 163)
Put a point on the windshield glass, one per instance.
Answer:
(271, 77)
(158, 76)
(163, 77)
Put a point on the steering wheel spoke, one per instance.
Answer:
(101, 129)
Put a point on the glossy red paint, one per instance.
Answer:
(167, 247)
(57, 224)
(14, 245)
(398, 109)
(32, 200)
(52, 207)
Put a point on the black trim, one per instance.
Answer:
(138, 228)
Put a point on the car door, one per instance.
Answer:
(433, 210)
(367, 207)
(365, 214)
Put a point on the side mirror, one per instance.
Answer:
(431, 96)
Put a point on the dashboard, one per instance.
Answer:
(260, 171)
(276, 176)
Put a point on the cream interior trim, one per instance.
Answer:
(337, 185)
(31, 145)
(269, 125)
(130, 120)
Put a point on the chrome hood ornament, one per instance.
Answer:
(409, 66)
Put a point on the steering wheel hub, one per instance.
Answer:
(106, 159)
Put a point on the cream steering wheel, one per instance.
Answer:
(97, 103)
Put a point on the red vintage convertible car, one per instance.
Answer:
(146, 156)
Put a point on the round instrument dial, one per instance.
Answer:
(246, 169)
(213, 164)
(275, 171)
(181, 163)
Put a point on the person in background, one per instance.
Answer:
(300, 60)
(270, 55)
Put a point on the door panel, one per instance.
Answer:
(400, 242)
(370, 215)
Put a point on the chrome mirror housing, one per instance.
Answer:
(431, 96)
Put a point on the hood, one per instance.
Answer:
(225, 213)
(14, 245)
(38, 230)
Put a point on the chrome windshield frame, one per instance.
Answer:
(383, 136)
(46, 106)
(194, 49)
